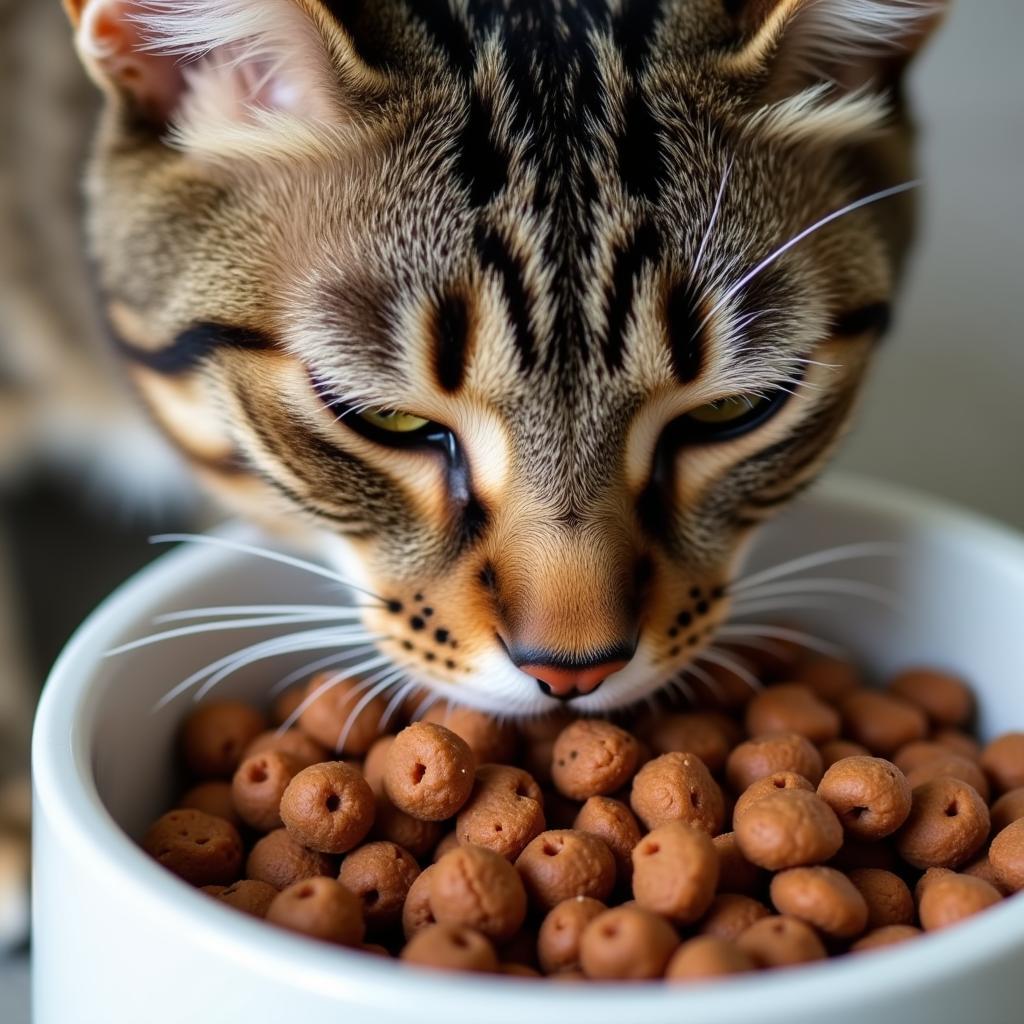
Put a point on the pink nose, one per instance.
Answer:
(561, 682)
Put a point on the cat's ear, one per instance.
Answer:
(200, 64)
(788, 45)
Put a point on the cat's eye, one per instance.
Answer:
(394, 422)
(728, 410)
(732, 416)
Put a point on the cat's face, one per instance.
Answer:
(501, 309)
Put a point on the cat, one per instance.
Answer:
(523, 314)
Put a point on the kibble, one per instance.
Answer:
(766, 755)
(213, 797)
(1003, 761)
(627, 943)
(558, 941)
(451, 947)
(882, 722)
(428, 771)
(769, 784)
(562, 863)
(781, 942)
(950, 899)
(491, 741)
(330, 716)
(945, 698)
(612, 821)
(480, 889)
(249, 896)
(955, 765)
(870, 796)
(947, 825)
(214, 736)
(328, 807)
(698, 732)
(793, 708)
(888, 899)
(731, 914)
(201, 849)
(258, 785)
(505, 811)
(593, 758)
(294, 742)
(822, 897)
(880, 938)
(678, 787)
(280, 861)
(1005, 811)
(320, 908)
(707, 957)
(380, 874)
(787, 829)
(675, 872)
(1007, 856)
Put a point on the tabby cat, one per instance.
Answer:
(523, 313)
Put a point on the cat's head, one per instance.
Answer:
(529, 311)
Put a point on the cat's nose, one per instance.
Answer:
(564, 680)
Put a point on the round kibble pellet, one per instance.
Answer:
(612, 821)
(769, 784)
(837, 750)
(882, 722)
(451, 947)
(696, 732)
(1003, 761)
(627, 943)
(781, 942)
(790, 707)
(562, 863)
(881, 938)
(330, 716)
(931, 875)
(736, 873)
(947, 825)
(428, 771)
(1006, 855)
(448, 842)
(380, 874)
(593, 758)
(889, 900)
(945, 698)
(1006, 810)
(480, 889)
(959, 742)
(420, 838)
(916, 753)
(787, 829)
(249, 896)
(280, 861)
(981, 867)
(197, 847)
(950, 899)
(824, 898)
(214, 736)
(675, 872)
(295, 742)
(492, 741)
(258, 785)
(374, 764)
(328, 807)
(417, 912)
(830, 679)
(870, 796)
(320, 908)
(213, 797)
(558, 941)
(285, 704)
(731, 914)
(766, 755)
(952, 764)
(707, 957)
(504, 812)
(677, 787)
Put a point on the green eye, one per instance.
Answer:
(394, 422)
(728, 410)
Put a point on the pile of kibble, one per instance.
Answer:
(811, 818)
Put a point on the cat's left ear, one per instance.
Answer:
(788, 45)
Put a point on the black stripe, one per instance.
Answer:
(643, 248)
(641, 161)
(193, 346)
(356, 19)
(685, 333)
(451, 342)
(449, 33)
(874, 317)
(634, 30)
(481, 165)
(494, 255)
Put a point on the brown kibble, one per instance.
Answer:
(612, 821)
(536, 760)
(1003, 761)
(295, 742)
(731, 914)
(790, 707)
(450, 947)
(328, 718)
(787, 829)
(959, 742)
(916, 753)
(563, 863)
(678, 787)
(249, 896)
(1007, 856)
(328, 807)
(947, 825)
(981, 867)
(320, 908)
(518, 971)
(736, 873)
(930, 876)
(448, 843)
(824, 898)
(836, 750)
(285, 704)
(830, 679)
(417, 912)
(214, 736)
(480, 889)
(280, 861)
(766, 755)
(214, 798)
(258, 785)
(707, 957)
(504, 812)
(882, 722)
(197, 847)
(380, 874)
(695, 732)
(946, 699)
(492, 741)
(880, 938)
(950, 899)
(428, 771)
(769, 784)
(889, 900)
(592, 758)
(1007, 809)
(781, 942)
(374, 764)
(627, 944)
(870, 796)
(558, 942)
(955, 765)
(418, 837)
(675, 872)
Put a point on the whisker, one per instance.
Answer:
(326, 686)
(852, 588)
(314, 666)
(353, 717)
(340, 611)
(713, 219)
(772, 604)
(781, 633)
(730, 664)
(707, 679)
(396, 702)
(842, 553)
(426, 706)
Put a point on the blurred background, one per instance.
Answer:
(944, 411)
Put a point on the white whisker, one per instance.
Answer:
(396, 701)
(314, 666)
(716, 209)
(730, 664)
(353, 716)
(852, 588)
(426, 706)
(757, 629)
(774, 604)
(707, 679)
(842, 553)
(340, 611)
(327, 685)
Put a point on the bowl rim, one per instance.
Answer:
(66, 795)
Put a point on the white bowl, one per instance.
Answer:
(118, 940)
